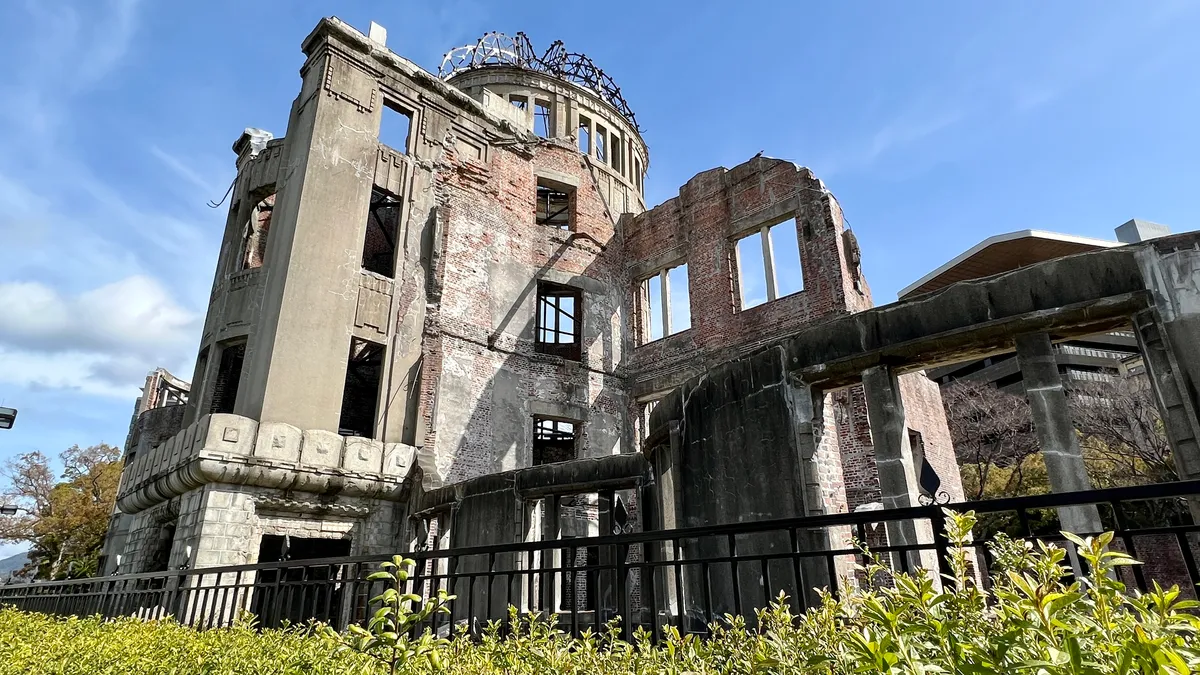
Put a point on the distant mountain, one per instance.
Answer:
(12, 564)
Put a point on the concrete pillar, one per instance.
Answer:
(1176, 408)
(807, 409)
(295, 364)
(1055, 432)
(805, 405)
(889, 436)
(552, 560)
(893, 456)
(667, 467)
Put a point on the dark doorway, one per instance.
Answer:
(294, 593)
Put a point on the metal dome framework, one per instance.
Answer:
(499, 49)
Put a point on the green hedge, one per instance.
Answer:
(1031, 621)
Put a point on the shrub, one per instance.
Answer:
(1033, 620)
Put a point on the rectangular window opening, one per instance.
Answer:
(360, 396)
(637, 174)
(785, 248)
(647, 410)
(254, 234)
(769, 265)
(553, 204)
(601, 143)
(553, 441)
(229, 374)
(585, 134)
(618, 154)
(395, 127)
(667, 303)
(679, 305)
(383, 226)
(751, 271)
(519, 101)
(652, 288)
(559, 326)
(542, 124)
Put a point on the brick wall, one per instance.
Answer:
(701, 227)
(481, 369)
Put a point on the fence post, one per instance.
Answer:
(937, 520)
(624, 606)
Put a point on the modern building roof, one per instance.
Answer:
(1001, 253)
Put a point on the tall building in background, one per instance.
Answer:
(1090, 358)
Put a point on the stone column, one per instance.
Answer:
(669, 461)
(1177, 409)
(1168, 335)
(1055, 432)
(806, 407)
(893, 456)
(551, 557)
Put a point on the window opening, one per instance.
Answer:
(637, 174)
(585, 135)
(541, 119)
(395, 127)
(647, 409)
(618, 153)
(768, 263)
(360, 396)
(667, 303)
(652, 288)
(751, 274)
(553, 205)
(601, 143)
(383, 225)
(553, 441)
(201, 373)
(519, 101)
(254, 235)
(229, 373)
(789, 278)
(558, 329)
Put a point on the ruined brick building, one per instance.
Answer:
(442, 312)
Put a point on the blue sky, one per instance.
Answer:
(936, 124)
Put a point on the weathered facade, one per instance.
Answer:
(434, 285)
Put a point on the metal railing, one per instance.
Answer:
(684, 577)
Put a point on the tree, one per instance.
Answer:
(994, 441)
(66, 520)
(1120, 433)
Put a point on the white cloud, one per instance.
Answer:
(102, 341)
(135, 315)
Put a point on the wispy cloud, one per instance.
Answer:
(183, 170)
(87, 307)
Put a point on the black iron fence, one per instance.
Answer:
(684, 577)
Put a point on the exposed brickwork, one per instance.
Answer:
(487, 219)
(701, 227)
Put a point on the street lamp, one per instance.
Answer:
(11, 510)
(7, 417)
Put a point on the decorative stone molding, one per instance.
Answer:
(235, 450)
(280, 504)
(346, 81)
